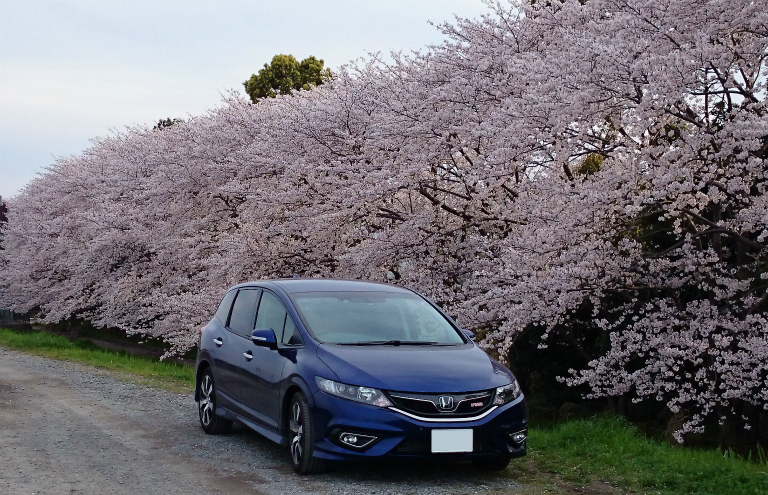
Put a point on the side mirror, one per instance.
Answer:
(469, 333)
(264, 337)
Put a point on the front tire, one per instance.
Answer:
(206, 406)
(301, 444)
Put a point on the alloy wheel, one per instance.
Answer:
(300, 433)
(206, 400)
(206, 406)
(297, 433)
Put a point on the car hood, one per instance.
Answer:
(433, 369)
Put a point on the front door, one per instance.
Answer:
(263, 367)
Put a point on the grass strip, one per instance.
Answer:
(145, 370)
(612, 450)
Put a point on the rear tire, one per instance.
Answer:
(206, 406)
(491, 464)
(301, 431)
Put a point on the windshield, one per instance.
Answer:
(371, 318)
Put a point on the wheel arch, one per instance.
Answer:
(295, 385)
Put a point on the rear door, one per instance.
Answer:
(221, 362)
(230, 351)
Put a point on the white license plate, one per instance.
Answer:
(452, 440)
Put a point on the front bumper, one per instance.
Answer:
(402, 435)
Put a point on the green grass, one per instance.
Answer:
(611, 450)
(148, 371)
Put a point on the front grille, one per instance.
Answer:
(416, 446)
(419, 444)
(451, 405)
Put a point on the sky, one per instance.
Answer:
(73, 70)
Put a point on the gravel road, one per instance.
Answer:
(71, 429)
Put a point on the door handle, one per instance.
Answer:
(248, 355)
(218, 341)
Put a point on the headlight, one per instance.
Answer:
(507, 393)
(366, 395)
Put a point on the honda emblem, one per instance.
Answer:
(445, 402)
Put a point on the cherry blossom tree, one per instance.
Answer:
(665, 244)
(576, 170)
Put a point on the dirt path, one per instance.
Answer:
(69, 429)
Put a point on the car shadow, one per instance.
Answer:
(387, 470)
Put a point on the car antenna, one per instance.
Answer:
(296, 275)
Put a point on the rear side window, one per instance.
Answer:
(272, 314)
(241, 320)
(223, 312)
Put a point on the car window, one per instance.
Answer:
(291, 336)
(226, 303)
(359, 317)
(241, 319)
(272, 314)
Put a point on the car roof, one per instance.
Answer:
(297, 285)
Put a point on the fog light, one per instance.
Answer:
(356, 440)
(349, 439)
(518, 437)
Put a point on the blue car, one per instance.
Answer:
(343, 370)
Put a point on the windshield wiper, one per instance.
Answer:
(394, 342)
